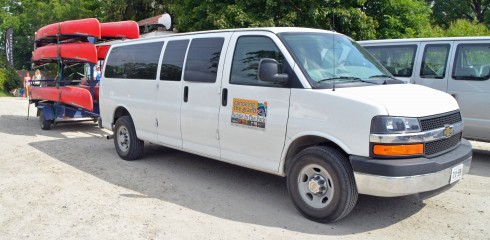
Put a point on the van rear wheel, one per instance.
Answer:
(321, 184)
(127, 144)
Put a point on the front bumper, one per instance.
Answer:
(400, 177)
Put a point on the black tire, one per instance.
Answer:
(321, 184)
(45, 124)
(127, 144)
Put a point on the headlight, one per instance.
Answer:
(391, 125)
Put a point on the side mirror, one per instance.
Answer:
(268, 72)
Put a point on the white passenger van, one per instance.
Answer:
(459, 66)
(308, 104)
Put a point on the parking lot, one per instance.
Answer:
(69, 183)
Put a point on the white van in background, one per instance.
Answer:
(459, 66)
(308, 104)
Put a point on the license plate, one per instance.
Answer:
(456, 173)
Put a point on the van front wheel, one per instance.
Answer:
(321, 184)
(127, 144)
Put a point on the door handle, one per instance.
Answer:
(224, 97)
(186, 93)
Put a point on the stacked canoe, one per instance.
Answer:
(68, 42)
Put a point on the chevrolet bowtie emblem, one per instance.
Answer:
(448, 131)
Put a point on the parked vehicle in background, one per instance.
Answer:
(459, 66)
(308, 104)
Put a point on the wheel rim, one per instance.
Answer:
(123, 138)
(315, 186)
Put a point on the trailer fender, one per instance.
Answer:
(47, 111)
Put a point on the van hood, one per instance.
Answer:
(404, 100)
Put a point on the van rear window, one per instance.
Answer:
(472, 62)
(396, 59)
(434, 61)
(137, 61)
(202, 59)
(173, 60)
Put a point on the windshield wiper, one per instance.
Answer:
(382, 76)
(345, 78)
(391, 80)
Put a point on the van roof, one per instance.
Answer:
(405, 40)
(274, 30)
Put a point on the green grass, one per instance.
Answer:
(5, 94)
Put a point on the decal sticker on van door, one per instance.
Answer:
(249, 113)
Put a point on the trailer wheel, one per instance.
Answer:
(321, 184)
(127, 144)
(45, 124)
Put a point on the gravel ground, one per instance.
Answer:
(69, 183)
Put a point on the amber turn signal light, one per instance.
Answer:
(398, 150)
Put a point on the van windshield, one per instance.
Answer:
(328, 57)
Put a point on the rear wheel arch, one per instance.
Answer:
(119, 112)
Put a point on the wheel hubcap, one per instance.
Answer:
(123, 138)
(315, 186)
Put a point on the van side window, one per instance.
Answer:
(396, 59)
(434, 61)
(202, 60)
(173, 60)
(136, 61)
(249, 51)
(472, 62)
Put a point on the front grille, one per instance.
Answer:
(439, 121)
(442, 145)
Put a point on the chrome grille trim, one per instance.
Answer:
(419, 137)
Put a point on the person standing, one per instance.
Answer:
(27, 84)
(97, 74)
(37, 78)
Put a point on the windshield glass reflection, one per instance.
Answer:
(327, 57)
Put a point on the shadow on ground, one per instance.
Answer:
(216, 188)
(480, 164)
(21, 125)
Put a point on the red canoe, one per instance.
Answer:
(74, 96)
(102, 51)
(96, 91)
(81, 28)
(119, 30)
(69, 52)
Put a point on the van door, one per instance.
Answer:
(432, 68)
(254, 113)
(169, 94)
(201, 93)
(470, 85)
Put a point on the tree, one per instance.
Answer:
(27, 16)
(458, 28)
(447, 11)
(119, 10)
(9, 79)
(398, 18)
(193, 15)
